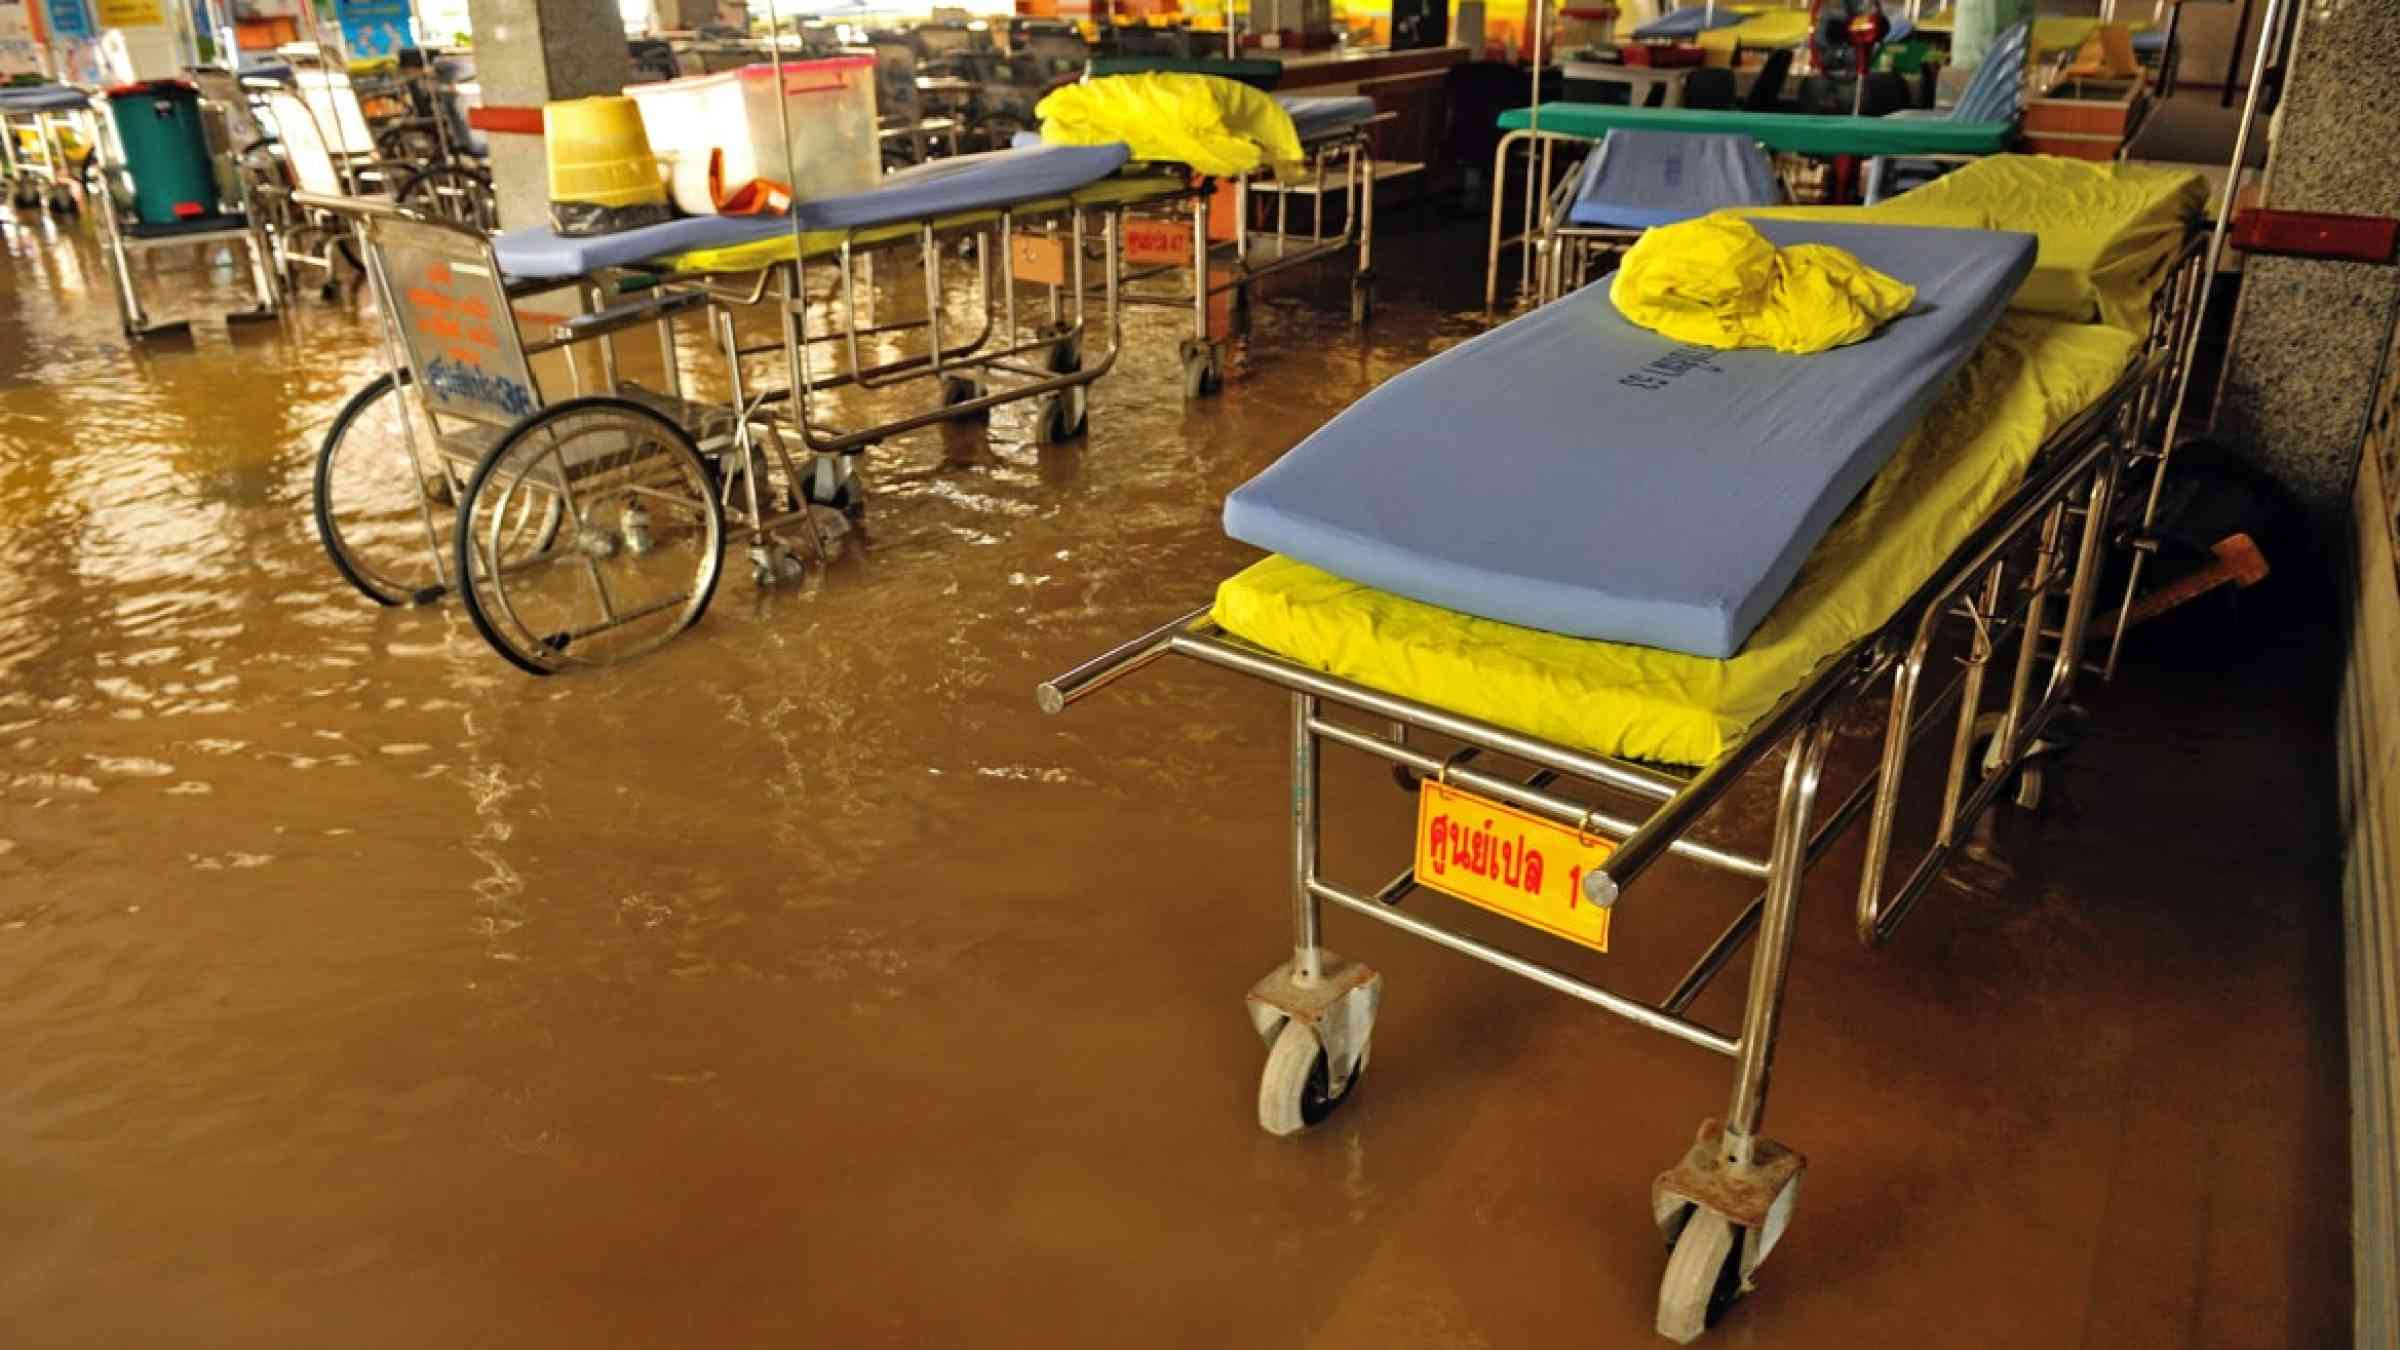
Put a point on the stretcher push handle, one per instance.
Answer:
(1112, 665)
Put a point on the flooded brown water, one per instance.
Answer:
(800, 984)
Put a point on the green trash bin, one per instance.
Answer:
(158, 124)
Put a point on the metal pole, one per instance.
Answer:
(1802, 770)
(2190, 354)
(1308, 958)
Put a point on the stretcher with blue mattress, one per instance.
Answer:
(1318, 116)
(1690, 21)
(1552, 772)
(1983, 122)
(1743, 458)
(1026, 214)
(1220, 247)
(1639, 180)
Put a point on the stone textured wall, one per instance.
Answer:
(2311, 338)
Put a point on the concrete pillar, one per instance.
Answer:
(528, 53)
(1977, 22)
(2310, 337)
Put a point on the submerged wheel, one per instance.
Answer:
(458, 193)
(1061, 417)
(385, 505)
(1203, 368)
(1296, 1092)
(640, 543)
(1065, 356)
(836, 485)
(1704, 1276)
(957, 390)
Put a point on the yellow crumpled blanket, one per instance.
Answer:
(1217, 126)
(1718, 282)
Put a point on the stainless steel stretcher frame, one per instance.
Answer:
(2021, 591)
(517, 513)
(1341, 168)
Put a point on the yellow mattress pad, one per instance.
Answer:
(2051, 33)
(2028, 379)
(2109, 232)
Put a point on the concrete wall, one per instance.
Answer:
(2370, 801)
(2310, 337)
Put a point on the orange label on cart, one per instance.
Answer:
(1510, 862)
(1158, 241)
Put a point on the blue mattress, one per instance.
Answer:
(1690, 21)
(43, 98)
(929, 191)
(1318, 117)
(1572, 472)
(1634, 180)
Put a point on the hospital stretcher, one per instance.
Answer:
(45, 134)
(1211, 234)
(562, 568)
(1547, 136)
(1977, 548)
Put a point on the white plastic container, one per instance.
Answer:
(834, 147)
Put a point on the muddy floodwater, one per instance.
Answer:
(801, 984)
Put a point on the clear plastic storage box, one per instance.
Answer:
(834, 148)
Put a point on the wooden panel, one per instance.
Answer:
(1302, 73)
(1420, 108)
(2074, 147)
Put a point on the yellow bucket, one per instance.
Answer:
(599, 155)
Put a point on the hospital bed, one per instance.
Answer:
(1542, 139)
(1208, 233)
(555, 581)
(46, 132)
(1634, 181)
(1667, 571)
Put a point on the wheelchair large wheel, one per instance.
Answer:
(385, 515)
(638, 553)
(453, 192)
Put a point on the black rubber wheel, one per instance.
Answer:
(957, 390)
(415, 145)
(1291, 1100)
(1203, 371)
(456, 193)
(1061, 418)
(369, 580)
(503, 578)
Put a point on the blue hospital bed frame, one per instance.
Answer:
(2017, 599)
